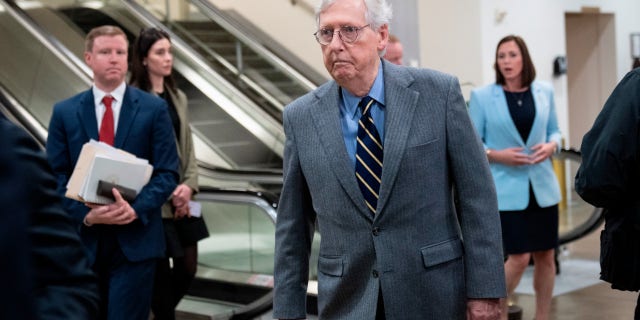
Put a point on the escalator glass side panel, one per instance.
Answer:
(241, 243)
(577, 218)
(35, 76)
(235, 263)
(241, 239)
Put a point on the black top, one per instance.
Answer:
(522, 110)
(175, 121)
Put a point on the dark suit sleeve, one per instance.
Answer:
(609, 174)
(15, 269)
(64, 287)
(477, 205)
(164, 158)
(59, 157)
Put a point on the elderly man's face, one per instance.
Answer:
(357, 60)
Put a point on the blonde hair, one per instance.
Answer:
(102, 31)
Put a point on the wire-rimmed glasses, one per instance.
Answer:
(348, 34)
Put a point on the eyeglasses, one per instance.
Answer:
(348, 34)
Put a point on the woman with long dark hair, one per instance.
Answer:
(152, 64)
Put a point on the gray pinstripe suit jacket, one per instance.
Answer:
(425, 254)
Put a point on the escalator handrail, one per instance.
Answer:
(270, 176)
(214, 14)
(593, 223)
(596, 218)
(267, 202)
(22, 116)
(254, 309)
(248, 81)
(254, 118)
(264, 200)
(50, 42)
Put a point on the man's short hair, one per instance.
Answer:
(102, 31)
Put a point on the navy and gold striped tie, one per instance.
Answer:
(368, 156)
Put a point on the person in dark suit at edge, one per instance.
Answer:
(124, 240)
(381, 187)
(609, 178)
(45, 272)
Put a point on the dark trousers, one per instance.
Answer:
(172, 283)
(125, 286)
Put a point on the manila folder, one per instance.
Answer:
(129, 173)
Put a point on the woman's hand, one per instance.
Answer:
(542, 151)
(181, 197)
(510, 157)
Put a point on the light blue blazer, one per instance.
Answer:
(490, 115)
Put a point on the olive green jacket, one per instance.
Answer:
(188, 166)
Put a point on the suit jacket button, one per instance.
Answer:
(375, 273)
(376, 231)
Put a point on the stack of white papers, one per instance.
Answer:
(100, 161)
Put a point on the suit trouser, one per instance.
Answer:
(125, 286)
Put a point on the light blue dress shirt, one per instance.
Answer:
(350, 114)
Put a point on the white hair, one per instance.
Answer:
(378, 12)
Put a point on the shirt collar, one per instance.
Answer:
(117, 93)
(376, 92)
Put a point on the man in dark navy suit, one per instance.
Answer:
(123, 239)
(45, 272)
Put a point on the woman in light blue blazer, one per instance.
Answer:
(516, 120)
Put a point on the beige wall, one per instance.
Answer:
(591, 50)
(460, 37)
(450, 41)
(292, 26)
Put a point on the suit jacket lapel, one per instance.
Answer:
(400, 106)
(327, 121)
(128, 111)
(87, 115)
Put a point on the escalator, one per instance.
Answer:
(242, 59)
(246, 57)
(242, 135)
(34, 74)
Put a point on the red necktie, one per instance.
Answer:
(106, 128)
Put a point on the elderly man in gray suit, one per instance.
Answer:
(386, 161)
